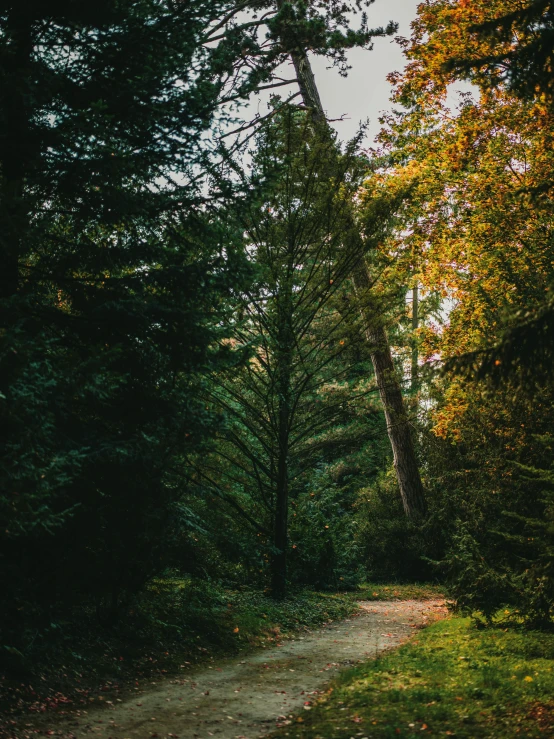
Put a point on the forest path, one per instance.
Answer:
(248, 696)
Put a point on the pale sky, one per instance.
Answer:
(365, 93)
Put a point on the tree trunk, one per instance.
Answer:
(284, 352)
(415, 326)
(307, 85)
(280, 528)
(390, 391)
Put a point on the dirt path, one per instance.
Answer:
(248, 697)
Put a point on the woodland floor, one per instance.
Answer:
(248, 696)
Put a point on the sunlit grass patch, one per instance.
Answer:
(450, 680)
(411, 591)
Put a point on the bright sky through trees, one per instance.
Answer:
(366, 91)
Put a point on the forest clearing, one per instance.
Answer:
(276, 349)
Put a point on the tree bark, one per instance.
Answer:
(415, 326)
(308, 87)
(390, 391)
(285, 349)
(280, 529)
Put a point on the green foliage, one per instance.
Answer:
(491, 501)
(172, 624)
(115, 287)
(323, 534)
(302, 399)
(523, 65)
(123, 276)
(393, 547)
(508, 558)
(195, 613)
(398, 591)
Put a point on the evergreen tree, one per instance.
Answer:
(118, 266)
(299, 321)
(116, 274)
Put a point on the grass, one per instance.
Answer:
(212, 620)
(450, 680)
(387, 591)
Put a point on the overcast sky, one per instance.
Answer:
(365, 93)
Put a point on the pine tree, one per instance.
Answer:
(117, 272)
(298, 324)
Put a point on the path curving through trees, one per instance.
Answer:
(247, 697)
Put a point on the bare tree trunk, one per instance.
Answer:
(415, 326)
(307, 85)
(280, 528)
(285, 350)
(390, 391)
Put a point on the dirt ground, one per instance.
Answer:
(247, 697)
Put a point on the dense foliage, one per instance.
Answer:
(476, 227)
(124, 269)
(190, 300)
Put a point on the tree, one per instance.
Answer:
(513, 47)
(477, 221)
(119, 267)
(398, 424)
(117, 273)
(298, 321)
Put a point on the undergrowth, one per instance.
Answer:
(173, 625)
(407, 591)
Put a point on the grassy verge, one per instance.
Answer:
(411, 591)
(450, 680)
(172, 626)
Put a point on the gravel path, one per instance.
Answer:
(248, 697)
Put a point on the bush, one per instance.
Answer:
(393, 547)
(325, 547)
